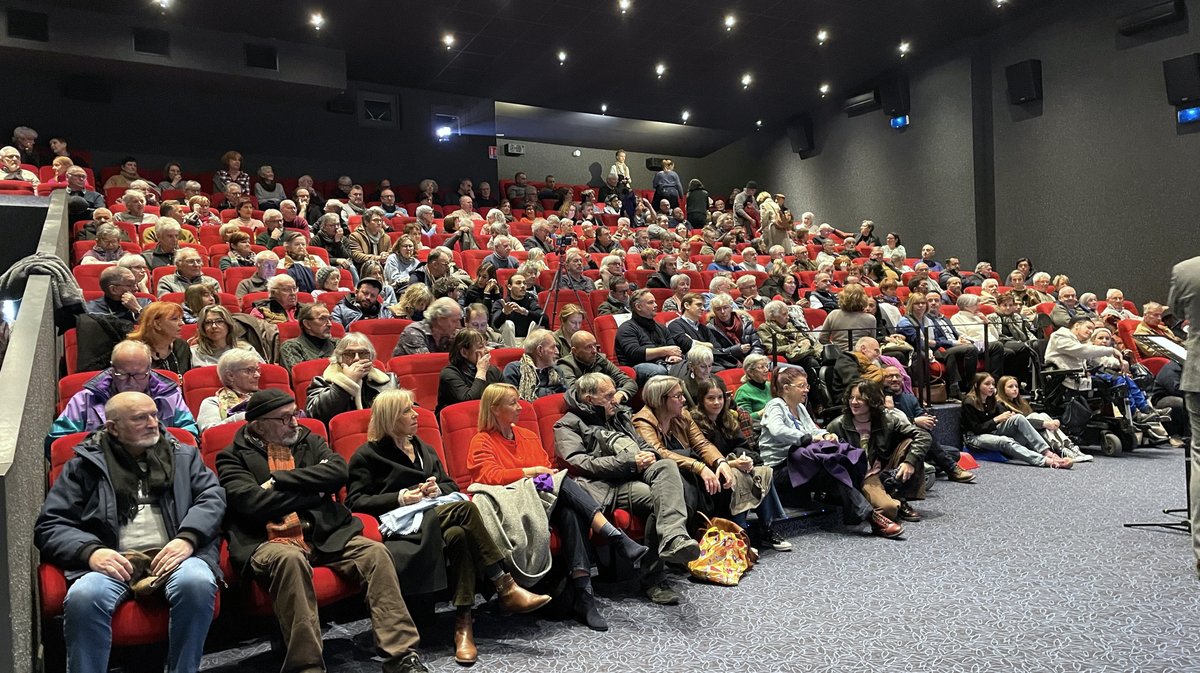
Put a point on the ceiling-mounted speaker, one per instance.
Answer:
(654, 164)
(1024, 81)
(1157, 14)
(342, 104)
(152, 41)
(800, 134)
(1182, 76)
(861, 103)
(27, 25)
(893, 94)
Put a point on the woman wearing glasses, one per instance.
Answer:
(239, 373)
(350, 382)
(217, 335)
(159, 328)
(669, 429)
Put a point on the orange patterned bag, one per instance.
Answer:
(725, 553)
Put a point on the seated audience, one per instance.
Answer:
(681, 286)
(141, 271)
(188, 271)
(118, 285)
(163, 252)
(362, 305)
(971, 323)
(732, 333)
(932, 336)
(159, 329)
(241, 254)
(329, 279)
(135, 493)
(585, 357)
(400, 263)
(134, 201)
(642, 343)
(520, 308)
(432, 334)
(571, 277)
(1152, 325)
(265, 262)
(130, 371)
(396, 469)
(350, 382)
(503, 453)
(413, 302)
(902, 402)
(315, 341)
(1067, 307)
(666, 272)
(369, 242)
(239, 373)
(282, 303)
(754, 393)
(1008, 395)
(470, 370)
(990, 426)
(108, 246)
(534, 375)
(570, 321)
(821, 297)
(218, 334)
(617, 301)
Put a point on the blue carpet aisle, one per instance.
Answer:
(1027, 570)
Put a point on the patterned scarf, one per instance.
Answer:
(227, 399)
(527, 388)
(289, 529)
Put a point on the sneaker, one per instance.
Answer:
(1176, 443)
(770, 536)
(681, 550)
(907, 513)
(1164, 414)
(961, 476)
(662, 594)
(885, 527)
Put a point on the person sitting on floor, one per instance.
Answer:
(900, 401)
(991, 426)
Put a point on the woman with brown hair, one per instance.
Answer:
(217, 335)
(570, 321)
(241, 253)
(158, 328)
(504, 452)
(1008, 395)
(470, 370)
(849, 321)
(988, 425)
(449, 547)
(231, 171)
(195, 298)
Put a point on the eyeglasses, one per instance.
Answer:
(249, 370)
(677, 396)
(123, 377)
(356, 355)
(213, 323)
(287, 419)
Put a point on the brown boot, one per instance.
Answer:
(464, 639)
(962, 476)
(515, 599)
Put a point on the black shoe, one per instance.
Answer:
(663, 594)
(907, 513)
(631, 550)
(681, 550)
(406, 663)
(771, 537)
(587, 612)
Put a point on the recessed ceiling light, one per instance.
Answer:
(730, 20)
(624, 5)
(824, 89)
(758, 124)
(448, 40)
(822, 36)
(316, 20)
(164, 3)
(603, 108)
(562, 57)
(685, 116)
(746, 80)
(660, 70)
(905, 48)
(1001, 3)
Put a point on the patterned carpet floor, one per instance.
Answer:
(1027, 570)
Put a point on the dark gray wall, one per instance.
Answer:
(1100, 186)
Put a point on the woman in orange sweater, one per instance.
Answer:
(503, 453)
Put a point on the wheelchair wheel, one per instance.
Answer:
(1112, 445)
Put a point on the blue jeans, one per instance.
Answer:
(1016, 439)
(647, 369)
(1137, 398)
(769, 511)
(93, 598)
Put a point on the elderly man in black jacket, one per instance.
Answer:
(644, 344)
(133, 491)
(284, 518)
(607, 458)
(585, 357)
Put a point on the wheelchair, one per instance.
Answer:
(1085, 408)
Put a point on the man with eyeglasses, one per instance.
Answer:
(284, 520)
(129, 372)
(133, 490)
(315, 341)
(118, 285)
(617, 301)
(188, 272)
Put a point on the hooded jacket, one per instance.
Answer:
(79, 515)
(85, 411)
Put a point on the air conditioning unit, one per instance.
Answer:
(514, 149)
(1158, 14)
(862, 103)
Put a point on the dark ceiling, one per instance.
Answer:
(507, 49)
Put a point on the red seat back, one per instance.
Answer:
(732, 378)
(201, 383)
(606, 335)
(384, 333)
(548, 410)
(502, 356)
(459, 424)
(420, 374)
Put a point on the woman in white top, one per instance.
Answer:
(239, 373)
(620, 169)
(892, 245)
(216, 336)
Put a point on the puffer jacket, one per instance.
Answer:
(79, 515)
(85, 411)
(599, 450)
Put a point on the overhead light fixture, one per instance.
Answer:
(685, 116)
(730, 20)
(746, 80)
(822, 36)
(1001, 3)
(443, 132)
(824, 89)
(758, 124)
(904, 49)
(624, 5)
(562, 57)
(660, 70)
(604, 108)
(448, 40)
(164, 3)
(316, 20)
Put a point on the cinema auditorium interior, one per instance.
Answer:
(599, 336)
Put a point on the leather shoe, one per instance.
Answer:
(906, 513)
(587, 612)
(515, 599)
(681, 550)
(961, 476)
(885, 527)
(465, 651)
(405, 663)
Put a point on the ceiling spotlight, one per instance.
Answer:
(1001, 3)
(316, 20)
(758, 124)
(624, 5)
(822, 36)
(904, 49)
(685, 116)
(448, 40)
(562, 57)
(729, 21)
(164, 4)
(824, 89)
(443, 132)
(660, 70)
(603, 108)
(746, 80)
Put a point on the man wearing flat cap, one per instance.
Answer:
(283, 518)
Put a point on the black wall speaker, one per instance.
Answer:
(342, 104)
(1157, 14)
(1024, 81)
(800, 133)
(654, 164)
(152, 41)
(893, 94)
(1182, 76)
(28, 25)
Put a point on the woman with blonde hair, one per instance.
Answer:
(201, 212)
(239, 373)
(413, 302)
(503, 453)
(217, 335)
(158, 327)
(448, 549)
(570, 321)
(1008, 395)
